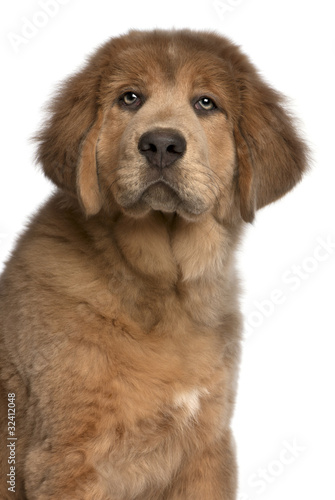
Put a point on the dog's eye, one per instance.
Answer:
(205, 104)
(130, 99)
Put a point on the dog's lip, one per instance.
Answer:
(155, 182)
(181, 204)
(160, 196)
(161, 181)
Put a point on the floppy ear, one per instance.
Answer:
(271, 157)
(67, 143)
(87, 171)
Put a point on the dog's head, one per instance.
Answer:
(173, 121)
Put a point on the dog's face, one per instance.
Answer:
(178, 122)
(166, 142)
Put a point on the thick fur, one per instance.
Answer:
(119, 318)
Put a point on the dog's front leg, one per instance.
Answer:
(210, 475)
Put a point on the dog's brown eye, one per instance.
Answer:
(205, 104)
(130, 99)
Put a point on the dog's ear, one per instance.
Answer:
(67, 142)
(87, 170)
(271, 157)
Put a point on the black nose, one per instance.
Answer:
(162, 147)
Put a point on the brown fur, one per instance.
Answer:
(119, 316)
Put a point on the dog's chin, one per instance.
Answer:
(163, 198)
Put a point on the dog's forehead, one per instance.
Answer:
(139, 64)
(167, 59)
(169, 69)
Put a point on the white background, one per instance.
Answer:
(286, 390)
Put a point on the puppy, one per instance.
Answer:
(119, 317)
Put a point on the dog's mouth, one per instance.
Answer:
(162, 195)
(158, 195)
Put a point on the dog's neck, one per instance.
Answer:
(169, 218)
(180, 263)
(171, 249)
(163, 267)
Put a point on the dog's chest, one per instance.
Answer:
(156, 398)
(160, 414)
(190, 401)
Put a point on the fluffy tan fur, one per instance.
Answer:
(119, 317)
